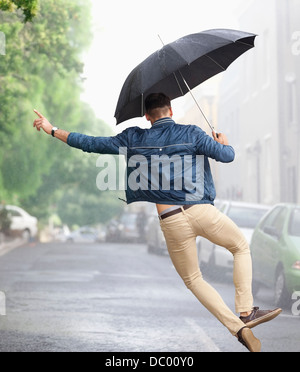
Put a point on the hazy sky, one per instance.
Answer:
(126, 32)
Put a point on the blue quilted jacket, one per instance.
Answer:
(167, 164)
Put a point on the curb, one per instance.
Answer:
(8, 247)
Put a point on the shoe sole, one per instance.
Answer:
(253, 343)
(264, 319)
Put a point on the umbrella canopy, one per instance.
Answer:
(181, 66)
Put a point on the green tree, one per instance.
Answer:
(42, 69)
(35, 72)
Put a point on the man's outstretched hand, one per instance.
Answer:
(42, 123)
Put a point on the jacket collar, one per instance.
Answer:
(162, 122)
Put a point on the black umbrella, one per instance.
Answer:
(181, 66)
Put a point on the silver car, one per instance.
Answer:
(155, 238)
(83, 235)
(22, 223)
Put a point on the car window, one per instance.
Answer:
(268, 221)
(246, 217)
(279, 221)
(14, 213)
(294, 225)
(275, 221)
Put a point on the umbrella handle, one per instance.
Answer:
(217, 134)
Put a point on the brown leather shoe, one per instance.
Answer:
(260, 316)
(247, 338)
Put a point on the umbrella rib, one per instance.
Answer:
(224, 69)
(182, 93)
(241, 42)
(142, 105)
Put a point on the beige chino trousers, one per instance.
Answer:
(181, 231)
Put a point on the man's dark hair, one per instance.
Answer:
(156, 101)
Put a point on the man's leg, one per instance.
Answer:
(181, 242)
(208, 222)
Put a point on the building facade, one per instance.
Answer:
(258, 107)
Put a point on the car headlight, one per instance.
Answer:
(296, 265)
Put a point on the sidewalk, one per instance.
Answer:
(8, 246)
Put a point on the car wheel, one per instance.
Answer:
(281, 292)
(26, 235)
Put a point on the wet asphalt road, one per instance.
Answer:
(115, 298)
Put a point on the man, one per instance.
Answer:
(181, 185)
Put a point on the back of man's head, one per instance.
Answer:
(157, 104)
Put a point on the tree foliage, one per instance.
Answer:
(29, 8)
(42, 69)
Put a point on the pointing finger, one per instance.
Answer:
(39, 114)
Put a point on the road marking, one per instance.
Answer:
(206, 340)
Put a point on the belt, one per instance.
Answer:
(177, 211)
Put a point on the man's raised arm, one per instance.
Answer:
(99, 145)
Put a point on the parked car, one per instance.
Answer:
(101, 233)
(217, 260)
(61, 233)
(155, 238)
(124, 229)
(22, 223)
(83, 235)
(113, 231)
(129, 231)
(276, 252)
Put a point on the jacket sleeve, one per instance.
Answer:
(99, 145)
(205, 145)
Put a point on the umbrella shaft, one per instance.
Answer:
(197, 104)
